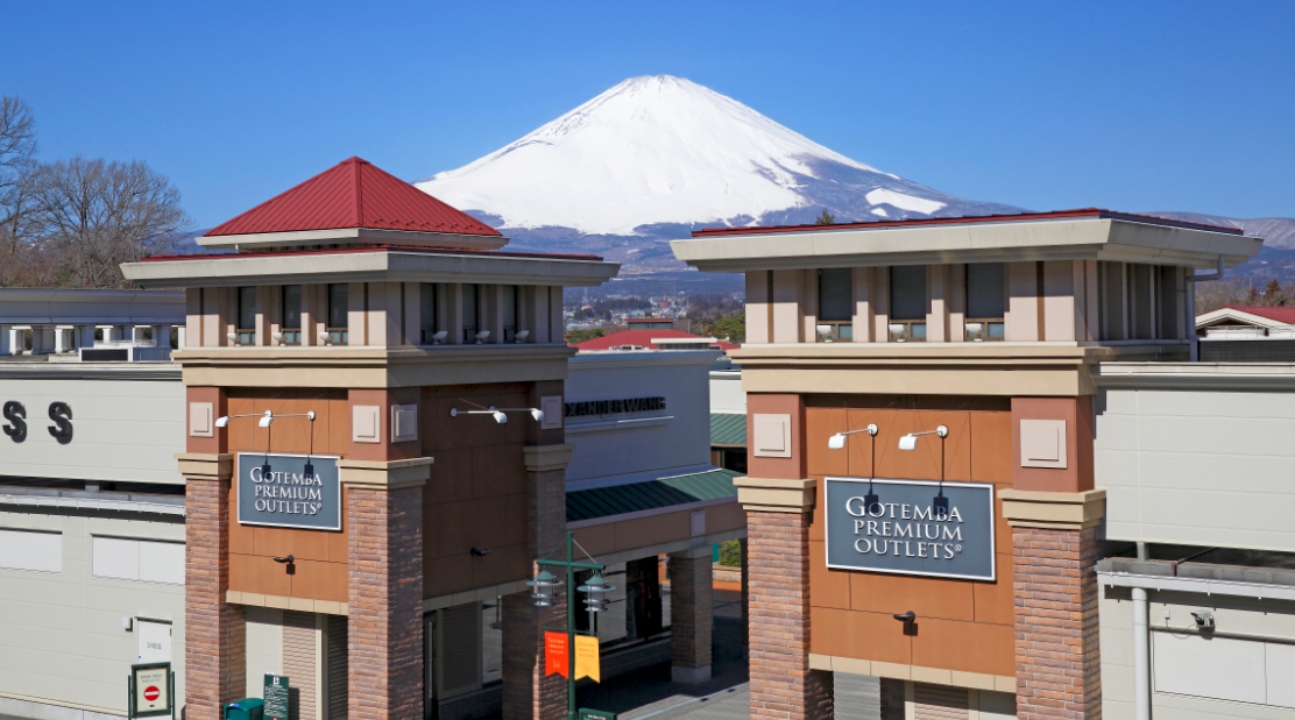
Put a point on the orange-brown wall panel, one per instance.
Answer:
(261, 575)
(853, 610)
(320, 581)
(965, 646)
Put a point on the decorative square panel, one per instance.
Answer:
(404, 423)
(551, 405)
(366, 425)
(201, 423)
(772, 435)
(1043, 444)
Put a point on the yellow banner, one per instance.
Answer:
(587, 658)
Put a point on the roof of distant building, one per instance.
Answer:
(1026, 216)
(648, 339)
(1248, 313)
(353, 194)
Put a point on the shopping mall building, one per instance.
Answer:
(360, 334)
(987, 466)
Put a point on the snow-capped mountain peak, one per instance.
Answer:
(660, 149)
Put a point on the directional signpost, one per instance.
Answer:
(275, 693)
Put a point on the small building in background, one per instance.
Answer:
(1238, 333)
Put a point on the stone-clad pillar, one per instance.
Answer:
(384, 522)
(1055, 548)
(527, 693)
(782, 684)
(691, 615)
(215, 631)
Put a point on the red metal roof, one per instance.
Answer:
(1053, 215)
(371, 249)
(1278, 314)
(353, 194)
(643, 339)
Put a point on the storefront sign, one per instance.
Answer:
(903, 528)
(150, 690)
(298, 491)
(15, 421)
(613, 407)
(278, 704)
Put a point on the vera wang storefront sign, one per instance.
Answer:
(910, 527)
(297, 491)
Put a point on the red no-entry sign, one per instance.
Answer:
(151, 693)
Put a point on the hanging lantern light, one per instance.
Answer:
(544, 584)
(595, 589)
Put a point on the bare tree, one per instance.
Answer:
(95, 215)
(17, 164)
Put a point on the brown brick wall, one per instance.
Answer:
(691, 620)
(782, 685)
(385, 625)
(1058, 659)
(527, 693)
(215, 632)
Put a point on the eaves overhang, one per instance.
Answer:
(378, 265)
(352, 236)
(1007, 241)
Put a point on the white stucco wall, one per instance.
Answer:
(1258, 618)
(609, 450)
(124, 428)
(726, 395)
(61, 636)
(1193, 461)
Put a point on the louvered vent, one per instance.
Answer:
(939, 702)
(337, 667)
(300, 654)
(460, 651)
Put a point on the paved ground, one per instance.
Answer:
(650, 693)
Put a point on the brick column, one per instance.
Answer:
(384, 525)
(691, 615)
(1055, 547)
(777, 525)
(215, 631)
(527, 693)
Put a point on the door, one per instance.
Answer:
(154, 640)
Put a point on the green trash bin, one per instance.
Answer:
(245, 709)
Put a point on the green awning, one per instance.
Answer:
(727, 429)
(651, 495)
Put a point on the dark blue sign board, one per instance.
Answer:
(902, 528)
(293, 491)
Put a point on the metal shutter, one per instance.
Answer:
(940, 702)
(300, 663)
(460, 649)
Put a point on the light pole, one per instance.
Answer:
(545, 580)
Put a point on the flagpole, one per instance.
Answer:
(571, 628)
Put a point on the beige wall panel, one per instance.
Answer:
(787, 296)
(757, 306)
(937, 329)
(884, 380)
(1061, 298)
(809, 305)
(1022, 321)
(863, 305)
(357, 314)
(956, 299)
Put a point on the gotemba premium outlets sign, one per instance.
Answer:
(295, 491)
(901, 527)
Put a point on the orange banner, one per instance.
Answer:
(587, 658)
(555, 653)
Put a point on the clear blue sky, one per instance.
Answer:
(1133, 106)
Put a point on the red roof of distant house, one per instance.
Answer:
(1053, 215)
(353, 194)
(1277, 314)
(643, 339)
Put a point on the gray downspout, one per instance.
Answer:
(1142, 644)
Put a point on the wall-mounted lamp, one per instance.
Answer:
(824, 332)
(266, 418)
(439, 336)
(521, 336)
(325, 339)
(481, 336)
(498, 413)
(837, 441)
(909, 441)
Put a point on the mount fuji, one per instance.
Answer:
(656, 157)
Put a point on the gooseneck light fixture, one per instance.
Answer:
(909, 442)
(837, 442)
(499, 414)
(264, 420)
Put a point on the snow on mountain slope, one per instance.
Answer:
(660, 152)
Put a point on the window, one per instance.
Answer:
(247, 309)
(908, 303)
(338, 308)
(34, 550)
(291, 327)
(986, 302)
(428, 326)
(1140, 297)
(1110, 299)
(835, 304)
(145, 560)
(468, 300)
(508, 308)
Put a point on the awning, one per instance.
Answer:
(651, 495)
(727, 430)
